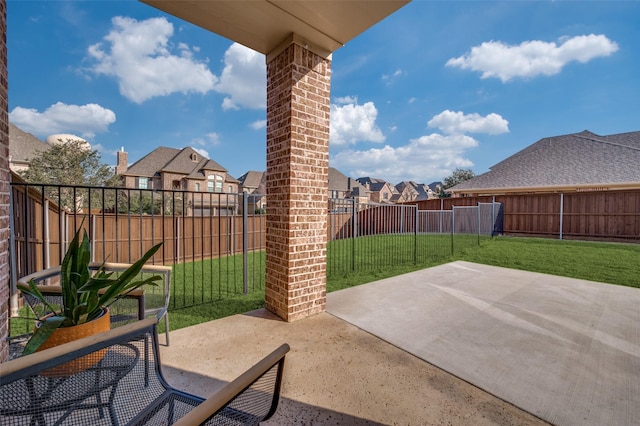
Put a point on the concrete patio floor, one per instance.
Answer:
(369, 367)
(335, 374)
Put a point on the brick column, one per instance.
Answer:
(4, 188)
(298, 105)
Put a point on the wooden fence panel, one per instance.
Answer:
(609, 216)
(612, 216)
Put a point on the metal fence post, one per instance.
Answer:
(493, 215)
(453, 224)
(354, 233)
(478, 223)
(13, 302)
(561, 212)
(415, 234)
(245, 243)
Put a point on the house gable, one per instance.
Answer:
(253, 182)
(574, 162)
(23, 147)
(183, 169)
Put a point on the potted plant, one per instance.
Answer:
(85, 297)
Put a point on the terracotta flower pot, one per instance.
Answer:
(69, 334)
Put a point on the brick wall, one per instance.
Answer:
(122, 163)
(298, 104)
(4, 188)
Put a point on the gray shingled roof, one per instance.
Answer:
(576, 159)
(338, 181)
(173, 160)
(23, 146)
(252, 179)
(151, 163)
(184, 164)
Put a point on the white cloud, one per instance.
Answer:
(103, 150)
(532, 58)
(213, 139)
(390, 77)
(451, 122)
(243, 78)
(425, 158)
(259, 124)
(346, 100)
(201, 151)
(353, 123)
(210, 139)
(138, 55)
(86, 119)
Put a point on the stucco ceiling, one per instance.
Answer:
(263, 25)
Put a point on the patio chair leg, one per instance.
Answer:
(166, 327)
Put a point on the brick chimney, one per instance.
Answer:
(122, 164)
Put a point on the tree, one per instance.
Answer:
(72, 163)
(458, 176)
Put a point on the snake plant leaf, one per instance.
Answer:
(33, 290)
(84, 296)
(42, 333)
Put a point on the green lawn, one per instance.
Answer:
(603, 262)
(214, 286)
(386, 256)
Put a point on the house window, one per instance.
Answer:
(197, 186)
(143, 183)
(176, 184)
(230, 189)
(334, 194)
(194, 157)
(215, 183)
(385, 196)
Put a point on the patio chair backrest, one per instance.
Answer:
(122, 383)
(145, 302)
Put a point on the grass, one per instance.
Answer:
(366, 259)
(212, 286)
(386, 256)
(612, 263)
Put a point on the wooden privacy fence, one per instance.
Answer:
(606, 216)
(39, 239)
(124, 223)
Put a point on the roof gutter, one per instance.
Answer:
(547, 189)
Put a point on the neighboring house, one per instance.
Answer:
(182, 170)
(23, 147)
(255, 184)
(342, 186)
(435, 187)
(569, 163)
(412, 191)
(380, 190)
(404, 193)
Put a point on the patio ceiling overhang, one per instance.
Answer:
(262, 25)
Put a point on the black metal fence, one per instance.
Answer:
(368, 236)
(215, 241)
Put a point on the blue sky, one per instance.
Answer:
(435, 86)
